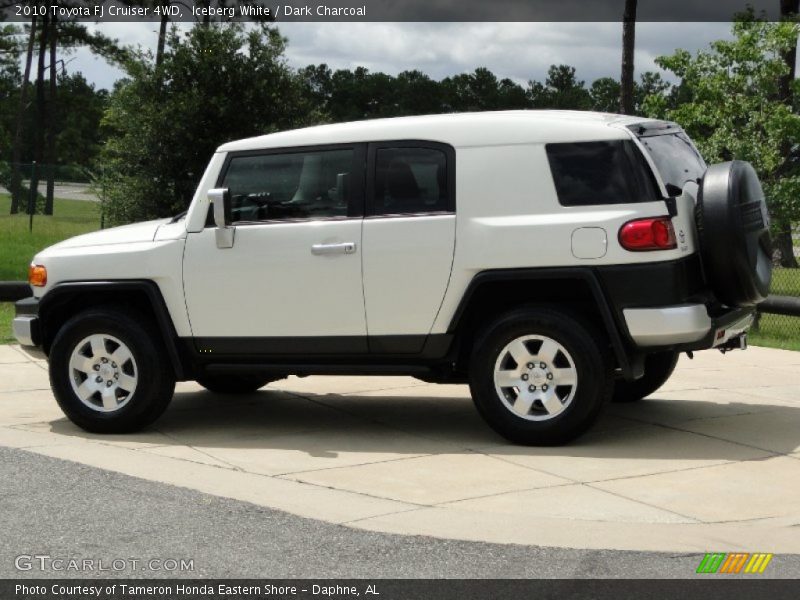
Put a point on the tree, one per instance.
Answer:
(605, 94)
(417, 94)
(41, 123)
(789, 12)
(15, 180)
(215, 84)
(80, 110)
(626, 96)
(649, 84)
(50, 35)
(479, 90)
(734, 110)
(512, 95)
(561, 90)
(359, 94)
(50, 142)
(10, 51)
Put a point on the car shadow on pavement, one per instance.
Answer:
(331, 425)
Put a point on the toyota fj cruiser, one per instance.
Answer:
(552, 260)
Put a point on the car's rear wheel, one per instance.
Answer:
(109, 371)
(658, 367)
(234, 384)
(540, 376)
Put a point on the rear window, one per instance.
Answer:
(675, 157)
(610, 172)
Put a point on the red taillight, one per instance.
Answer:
(648, 234)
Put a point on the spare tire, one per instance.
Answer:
(733, 229)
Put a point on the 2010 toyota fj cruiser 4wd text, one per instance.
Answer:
(552, 260)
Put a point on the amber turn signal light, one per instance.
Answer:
(37, 275)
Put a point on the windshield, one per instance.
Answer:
(675, 157)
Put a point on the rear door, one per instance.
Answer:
(408, 239)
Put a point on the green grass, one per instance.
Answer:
(779, 331)
(6, 314)
(18, 245)
(776, 331)
(785, 282)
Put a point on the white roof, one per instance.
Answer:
(457, 129)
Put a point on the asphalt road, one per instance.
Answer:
(70, 191)
(66, 510)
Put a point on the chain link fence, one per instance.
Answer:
(781, 330)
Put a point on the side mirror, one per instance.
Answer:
(221, 199)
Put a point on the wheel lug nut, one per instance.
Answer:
(97, 367)
(549, 375)
(98, 379)
(104, 360)
(109, 383)
(544, 387)
(531, 388)
(524, 377)
(113, 364)
(542, 365)
(116, 375)
(530, 365)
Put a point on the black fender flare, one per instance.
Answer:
(64, 292)
(631, 364)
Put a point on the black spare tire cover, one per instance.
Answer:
(733, 229)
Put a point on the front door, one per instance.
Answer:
(291, 283)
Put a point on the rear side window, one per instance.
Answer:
(610, 172)
(410, 181)
(675, 157)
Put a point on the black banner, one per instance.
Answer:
(383, 10)
(397, 589)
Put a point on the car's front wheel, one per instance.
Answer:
(109, 371)
(540, 376)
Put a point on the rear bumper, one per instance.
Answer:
(26, 326)
(685, 326)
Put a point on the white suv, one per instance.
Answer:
(552, 260)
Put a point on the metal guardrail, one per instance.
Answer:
(11, 291)
(781, 305)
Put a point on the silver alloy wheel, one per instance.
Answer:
(535, 377)
(103, 372)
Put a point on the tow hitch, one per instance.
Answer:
(735, 343)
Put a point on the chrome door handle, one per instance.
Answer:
(343, 248)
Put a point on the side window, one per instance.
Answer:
(410, 180)
(294, 185)
(612, 172)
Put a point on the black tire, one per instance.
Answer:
(658, 367)
(588, 351)
(155, 378)
(233, 384)
(733, 231)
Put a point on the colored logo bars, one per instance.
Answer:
(734, 562)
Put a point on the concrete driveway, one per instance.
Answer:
(709, 463)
